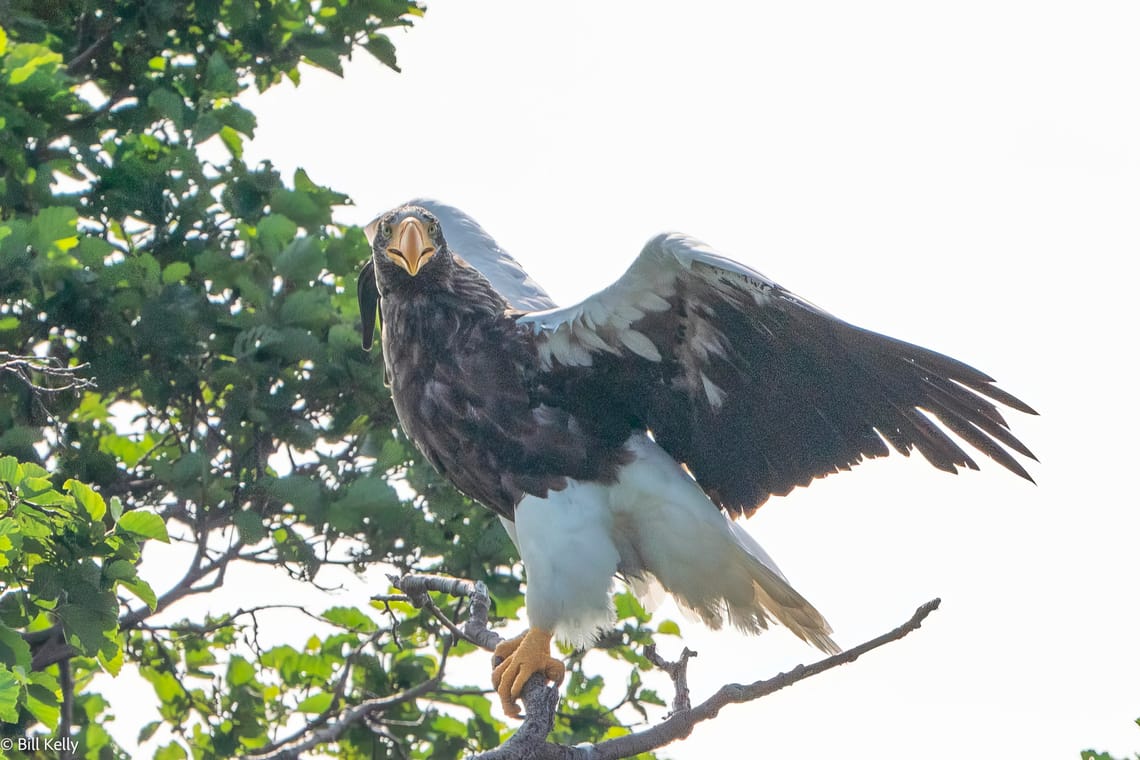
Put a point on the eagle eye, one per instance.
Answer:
(386, 229)
(432, 228)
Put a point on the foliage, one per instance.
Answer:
(63, 555)
(1092, 754)
(232, 407)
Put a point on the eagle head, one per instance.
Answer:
(408, 249)
(409, 255)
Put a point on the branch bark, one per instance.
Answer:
(60, 378)
(530, 744)
(540, 701)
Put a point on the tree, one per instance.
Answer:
(180, 365)
(232, 409)
(1092, 754)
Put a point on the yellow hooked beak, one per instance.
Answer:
(411, 245)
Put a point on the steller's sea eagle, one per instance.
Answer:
(622, 435)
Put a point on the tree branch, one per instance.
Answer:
(27, 367)
(334, 730)
(199, 569)
(680, 724)
(677, 671)
(541, 701)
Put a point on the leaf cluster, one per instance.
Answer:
(64, 553)
(233, 412)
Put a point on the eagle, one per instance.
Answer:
(622, 436)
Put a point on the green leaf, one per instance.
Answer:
(87, 497)
(650, 696)
(54, 228)
(251, 527)
(9, 695)
(669, 627)
(275, 231)
(302, 260)
(90, 621)
(316, 704)
(14, 651)
(145, 524)
(382, 50)
(116, 508)
(303, 493)
(149, 730)
(142, 590)
(113, 664)
(626, 606)
(350, 618)
(240, 672)
(232, 140)
(41, 699)
(239, 118)
(169, 105)
(10, 471)
(446, 724)
(220, 78)
(320, 53)
(172, 751)
(41, 491)
(175, 272)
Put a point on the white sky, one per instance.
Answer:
(961, 175)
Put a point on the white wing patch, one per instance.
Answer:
(673, 273)
(640, 345)
(713, 392)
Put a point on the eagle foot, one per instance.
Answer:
(516, 660)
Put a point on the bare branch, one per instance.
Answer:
(475, 630)
(59, 377)
(541, 701)
(85, 57)
(530, 743)
(679, 725)
(199, 569)
(677, 671)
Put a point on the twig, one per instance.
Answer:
(677, 671)
(341, 683)
(186, 587)
(530, 744)
(541, 702)
(25, 367)
(680, 725)
(88, 55)
(475, 630)
(353, 715)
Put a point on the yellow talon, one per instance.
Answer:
(517, 660)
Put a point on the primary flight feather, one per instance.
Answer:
(621, 435)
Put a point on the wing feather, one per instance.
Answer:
(755, 389)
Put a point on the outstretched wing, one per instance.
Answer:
(755, 390)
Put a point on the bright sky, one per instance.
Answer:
(965, 176)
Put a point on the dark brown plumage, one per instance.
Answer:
(503, 407)
(615, 435)
(466, 388)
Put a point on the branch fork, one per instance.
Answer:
(541, 701)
